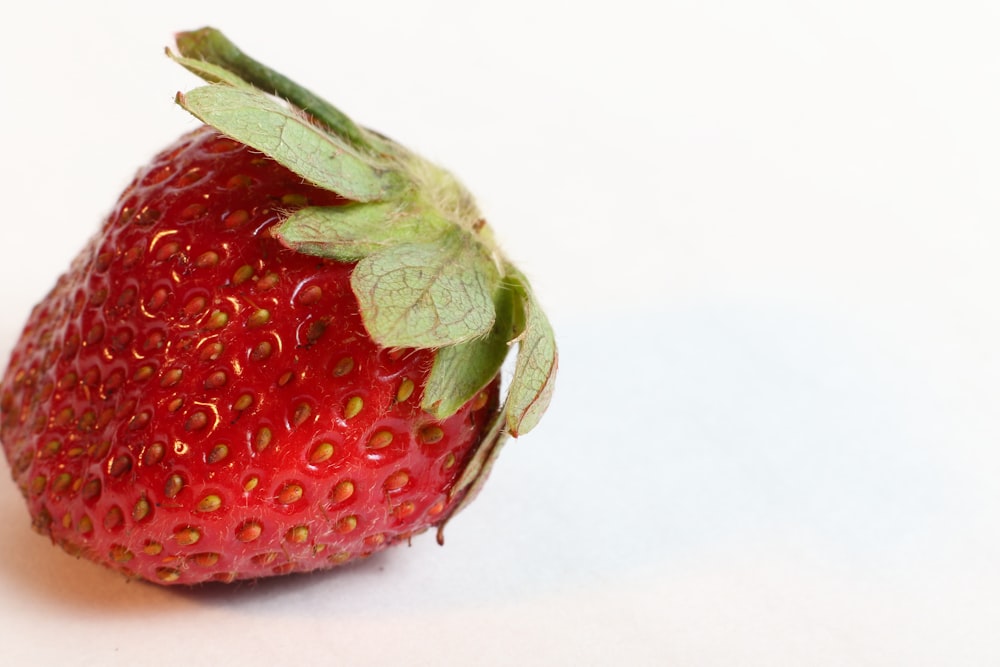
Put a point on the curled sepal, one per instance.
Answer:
(280, 132)
(352, 232)
(534, 376)
(427, 295)
(477, 470)
(461, 371)
(210, 72)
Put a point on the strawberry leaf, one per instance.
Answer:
(537, 360)
(427, 295)
(262, 122)
(352, 232)
(461, 371)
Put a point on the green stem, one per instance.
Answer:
(210, 45)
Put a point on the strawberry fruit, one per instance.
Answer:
(280, 353)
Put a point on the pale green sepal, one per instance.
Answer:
(209, 72)
(537, 361)
(352, 232)
(477, 470)
(461, 371)
(262, 122)
(427, 295)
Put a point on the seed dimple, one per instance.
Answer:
(61, 482)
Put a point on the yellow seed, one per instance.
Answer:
(290, 493)
(167, 574)
(152, 548)
(397, 480)
(406, 388)
(321, 452)
(347, 524)
(243, 402)
(353, 407)
(187, 536)
(297, 534)
(209, 503)
(173, 486)
(249, 531)
(259, 318)
(141, 509)
(343, 491)
(243, 274)
(431, 434)
(262, 438)
(251, 484)
(380, 439)
(218, 453)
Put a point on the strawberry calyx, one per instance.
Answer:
(427, 271)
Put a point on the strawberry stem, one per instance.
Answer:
(210, 45)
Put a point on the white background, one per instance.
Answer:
(766, 233)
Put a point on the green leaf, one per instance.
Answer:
(461, 371)
(427, 295)
(349, 233)
(264, 123)
(537, 360)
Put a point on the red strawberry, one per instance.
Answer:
(280, 353)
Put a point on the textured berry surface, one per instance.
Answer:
(195, 401)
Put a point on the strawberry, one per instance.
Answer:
(281, 352)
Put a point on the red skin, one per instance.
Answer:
(155, 348)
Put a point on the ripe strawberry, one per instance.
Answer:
(280, 353)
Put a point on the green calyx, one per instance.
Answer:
(428, 273)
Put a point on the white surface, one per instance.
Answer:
(767, 235)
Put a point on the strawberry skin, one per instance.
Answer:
(195, 401)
